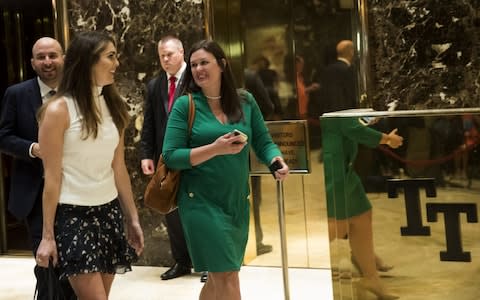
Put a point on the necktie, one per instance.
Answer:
(51, 93)
(171, 92)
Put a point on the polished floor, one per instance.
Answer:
(143, 283)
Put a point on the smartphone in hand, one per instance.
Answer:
(243, 135)
(276, 165)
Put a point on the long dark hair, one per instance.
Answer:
(82, 54)
(231, 100)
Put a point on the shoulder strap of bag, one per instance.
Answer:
(191, 113)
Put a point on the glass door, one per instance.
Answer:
(287, 44)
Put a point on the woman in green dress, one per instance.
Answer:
(349, 210)
(213, 195)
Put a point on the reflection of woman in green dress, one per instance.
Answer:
(213, 195)
(349, 210)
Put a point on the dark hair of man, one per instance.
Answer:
(82, 54)
(231, 101)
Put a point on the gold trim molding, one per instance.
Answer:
(208, 17)
(60, 18)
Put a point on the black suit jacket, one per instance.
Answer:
(338, 87)
(18, 130)
(155, 116)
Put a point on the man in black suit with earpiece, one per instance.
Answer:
(161, 94)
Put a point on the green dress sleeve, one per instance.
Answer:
(352, 129)
(176, 152)
(262, 144)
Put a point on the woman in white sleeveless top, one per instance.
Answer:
(87, 192)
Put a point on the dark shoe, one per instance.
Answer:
(262, 249)
(204, 277)
(176, 271)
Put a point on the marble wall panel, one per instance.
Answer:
(424, 53)
(137, 26)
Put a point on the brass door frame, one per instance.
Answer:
(229, 34)
(360, 39)
(60, 18)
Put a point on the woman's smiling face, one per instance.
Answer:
(205, 69)
(104, 68)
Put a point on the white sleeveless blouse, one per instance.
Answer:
(87, 174)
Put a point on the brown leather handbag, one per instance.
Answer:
(161, 191)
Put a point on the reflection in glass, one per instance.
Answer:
(424, 198)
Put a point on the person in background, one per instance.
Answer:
(87, 198)
(160, 96)
(303, 90)
(19, 139)
(254, 84)
(270, 79)
(338, 82)
(214, 163)
(349, 210)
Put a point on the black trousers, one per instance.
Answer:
(34, 225)
(178, 244)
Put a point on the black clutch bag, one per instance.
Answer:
(53, 287)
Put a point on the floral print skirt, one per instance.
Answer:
(92, 239)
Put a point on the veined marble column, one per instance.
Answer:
(424, 54)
